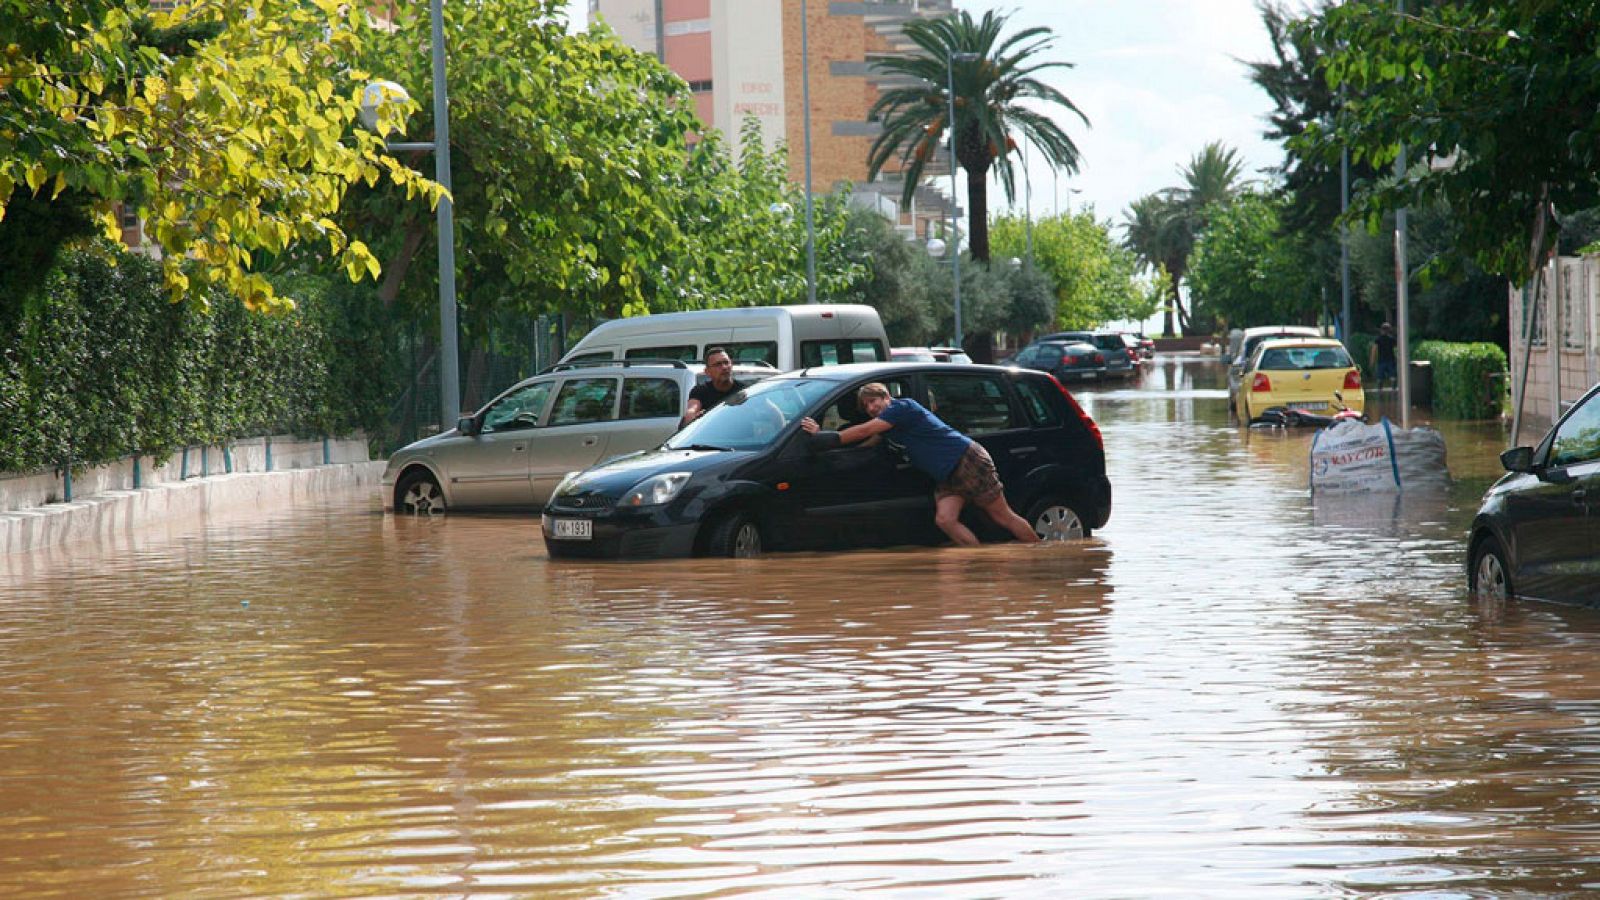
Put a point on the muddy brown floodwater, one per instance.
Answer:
(1229, 691)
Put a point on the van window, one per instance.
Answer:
(590, 357)
(685, 352)
(971, 404)
(840, 351)
(753, 351)
(584, 400)
(649, 398)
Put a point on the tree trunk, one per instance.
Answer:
(978, 214)
(394, 272)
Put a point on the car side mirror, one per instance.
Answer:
(467, 426)
(1517, 459)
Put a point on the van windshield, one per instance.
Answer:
(752, 418)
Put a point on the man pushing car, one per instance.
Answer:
(959, 465)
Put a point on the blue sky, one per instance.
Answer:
(1158, 79)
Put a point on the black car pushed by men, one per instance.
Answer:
(745, 478)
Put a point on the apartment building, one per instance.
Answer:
(743, 58)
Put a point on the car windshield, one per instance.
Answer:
(752, 418)
(1292, 358)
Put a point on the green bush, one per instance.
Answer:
(1360, 347)
(104, 365)
(1465, 385)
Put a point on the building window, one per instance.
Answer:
(700, 87)
(127, 216)
(1574, 318)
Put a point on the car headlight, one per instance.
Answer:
(565, 485)
(656, 490)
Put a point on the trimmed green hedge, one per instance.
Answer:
(101, 365)
(1464, 386)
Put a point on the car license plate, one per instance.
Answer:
(1308, 404)
(572, 529)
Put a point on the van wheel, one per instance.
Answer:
(736, 535)
(418, 493)
(1054, 519)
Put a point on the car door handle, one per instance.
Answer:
(1018, 451)
(590, 441)
(518, 448)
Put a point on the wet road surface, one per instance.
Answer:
(1230, 691)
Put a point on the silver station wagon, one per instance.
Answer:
(517, 448)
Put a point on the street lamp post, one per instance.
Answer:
(955, 232)
(805, 113)
(449, 357)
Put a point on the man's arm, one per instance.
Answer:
(690, 412)
(866, 431)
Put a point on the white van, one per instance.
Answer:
(784, 337)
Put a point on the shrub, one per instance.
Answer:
(1465, 385)
(104, 366)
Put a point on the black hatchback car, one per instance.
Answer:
(1537, 532)
(745, 478)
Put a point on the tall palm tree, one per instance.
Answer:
(1162, 228)
(990, 86)
(1157, 232)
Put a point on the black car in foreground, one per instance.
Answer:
(745, 478)
(1536, 534)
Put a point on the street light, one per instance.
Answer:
(372, 97)
(955, 232)
(805, 114)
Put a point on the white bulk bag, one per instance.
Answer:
(1353, 456)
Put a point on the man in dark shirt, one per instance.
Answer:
(1383, 346)
(708, 396)
(961, 467)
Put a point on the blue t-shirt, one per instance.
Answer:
(934, 447)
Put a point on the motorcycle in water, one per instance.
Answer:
(1287, 417)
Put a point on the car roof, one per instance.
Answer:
(1281, 329)
(851, 371)
(1279, 343)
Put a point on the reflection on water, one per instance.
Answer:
(1230, 691)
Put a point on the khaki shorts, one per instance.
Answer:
(973, 479)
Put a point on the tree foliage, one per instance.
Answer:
(225, 124)
(1494, 103)
(1246, 271)
(992, 92)
(1093, 276)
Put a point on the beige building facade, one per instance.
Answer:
(1561, 345)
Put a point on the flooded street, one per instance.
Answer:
(1229, 691)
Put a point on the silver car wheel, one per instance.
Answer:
(1058, 523)
(422, 497)
(747, 541)
(1490, 583)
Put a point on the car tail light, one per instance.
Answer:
(1260, 384)
(1098, 359)
(1352, 380)
(1082, 416)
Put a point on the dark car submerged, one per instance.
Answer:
(745, 478)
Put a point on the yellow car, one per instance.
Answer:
(1300, 373)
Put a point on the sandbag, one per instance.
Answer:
(1353, 456)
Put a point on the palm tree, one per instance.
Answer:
(992, 76)
(1161, 228)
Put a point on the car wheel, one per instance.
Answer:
(736, 535)
(418, 493)
(1491, 575)
(1054, 519)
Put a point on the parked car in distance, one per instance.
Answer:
(1135, 350)
(1119, 360)
(1249, 340)
(1311, 374)
(1066, 360)
(745, 478)
(1535, 532)
(913, 354)
(950, 354)
(517, 448)
(1146, 345)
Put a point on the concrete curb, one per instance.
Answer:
(119, 513)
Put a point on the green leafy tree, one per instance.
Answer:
(1246, 270)
(225, 125)
(1494, 103)
(896, 275)
(1093, 278)
(997, 100)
